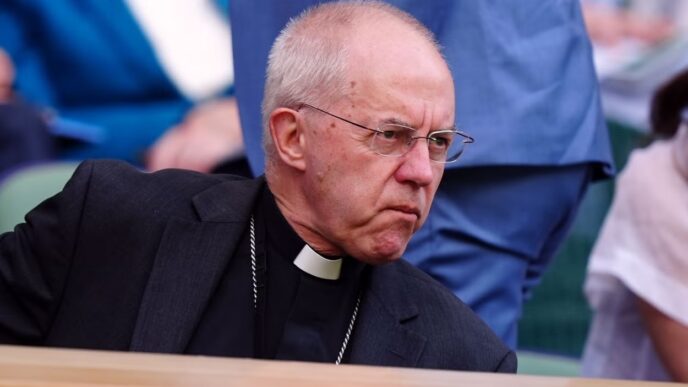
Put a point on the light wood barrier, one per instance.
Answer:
(28, 367)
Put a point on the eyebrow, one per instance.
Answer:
(393, 120)
(397, 121)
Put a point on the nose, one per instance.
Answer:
(416, 166)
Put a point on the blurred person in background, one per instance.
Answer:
(611, 22)
(149, 82)
(638, 46)
(6, 77)
(24, 137)
(637, 281)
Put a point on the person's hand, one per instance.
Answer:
(6, 76)
(209, 134)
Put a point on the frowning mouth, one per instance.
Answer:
(410, 210)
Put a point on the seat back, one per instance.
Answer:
(25, 188)
(533, 363)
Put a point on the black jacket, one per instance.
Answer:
(125, 260)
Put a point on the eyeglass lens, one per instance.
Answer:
(395, 140)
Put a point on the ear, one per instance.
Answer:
(288, 137)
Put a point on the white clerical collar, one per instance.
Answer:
(318, 266)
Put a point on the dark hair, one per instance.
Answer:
(668, 104)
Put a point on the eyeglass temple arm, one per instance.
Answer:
(338, 117)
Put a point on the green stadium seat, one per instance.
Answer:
(27, 187)
(533, 363)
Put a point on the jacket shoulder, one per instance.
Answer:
(156, 194)
(456, 337)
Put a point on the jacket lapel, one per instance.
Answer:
(381, 336)
(189, 264)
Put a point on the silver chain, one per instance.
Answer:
(252, 243)
(349, 330)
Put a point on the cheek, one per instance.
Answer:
(334, 191)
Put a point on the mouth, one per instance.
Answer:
(408, 210)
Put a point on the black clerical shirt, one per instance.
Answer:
(298, 317)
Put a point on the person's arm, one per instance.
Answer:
(670, 339)
(35, 260)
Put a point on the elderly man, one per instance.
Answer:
(527, 87)
(359, 118)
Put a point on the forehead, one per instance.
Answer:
(395, 71)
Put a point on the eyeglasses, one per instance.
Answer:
(444, 146)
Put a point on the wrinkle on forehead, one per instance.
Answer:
(379, 108)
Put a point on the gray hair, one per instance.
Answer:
(307, 62)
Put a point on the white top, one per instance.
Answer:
(193, 42)
(642, 250)
(317, 265)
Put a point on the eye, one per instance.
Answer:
(393, 133)
(392, 139)
(440, 140)
(389, 134)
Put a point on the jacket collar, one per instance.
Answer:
(231, 201)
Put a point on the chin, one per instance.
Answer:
(387, 253)
(380, 260)
(379, 248)
(378, 254)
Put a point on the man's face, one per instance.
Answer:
(365, 204)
